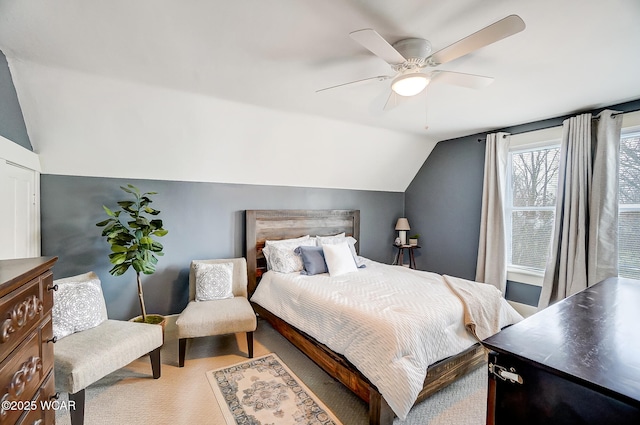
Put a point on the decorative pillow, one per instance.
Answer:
(285, 243)
(282, 258)
(78, 304)
(339, 258)
(331, 240)
(214, 281)
(313, 260)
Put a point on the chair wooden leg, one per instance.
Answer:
(155, 362)
(182, 351)
(76, 411)
(250, 344)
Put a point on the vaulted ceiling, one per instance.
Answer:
(226, 91)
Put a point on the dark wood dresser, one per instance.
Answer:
(26, 345)
(576, 362)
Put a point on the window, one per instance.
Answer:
(629, 207)
(532, 183)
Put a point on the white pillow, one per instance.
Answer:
(214, 281)
(339, 259)
(286, 241)
(322, 239)
(78, 304)
(282, 258)
(331, 240)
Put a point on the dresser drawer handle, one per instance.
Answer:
(20, 315)
(54, 339)
(52, 287)
(55, 396)
(27, 372)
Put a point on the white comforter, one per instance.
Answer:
(390, 322)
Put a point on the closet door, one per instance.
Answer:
(19, 218)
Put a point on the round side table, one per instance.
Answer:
(399, 260)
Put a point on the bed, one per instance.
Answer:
(263, 225)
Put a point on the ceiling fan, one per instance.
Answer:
(414, 64)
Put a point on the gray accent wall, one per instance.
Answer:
(442, 204)
(205, 220)
(12, 124)
(523, 293)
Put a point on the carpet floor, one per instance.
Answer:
(183, 395)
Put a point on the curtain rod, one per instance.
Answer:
(504, 136)
(614, 114)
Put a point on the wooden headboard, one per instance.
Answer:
(262, 225)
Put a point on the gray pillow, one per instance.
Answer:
(78, 304)
(313, 260)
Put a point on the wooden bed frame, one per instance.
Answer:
(264, 225)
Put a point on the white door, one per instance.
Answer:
(19, 218)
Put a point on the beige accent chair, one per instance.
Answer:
(85, 357)
(217, 317)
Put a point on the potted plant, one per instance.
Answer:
(132, 240)
(413, 240)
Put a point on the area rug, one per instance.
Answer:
(264, 391)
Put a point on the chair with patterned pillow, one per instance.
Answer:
(88, 345)
(218, 303)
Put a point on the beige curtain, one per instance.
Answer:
(492, 247)
(584, 248)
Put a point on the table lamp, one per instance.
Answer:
(402, 226)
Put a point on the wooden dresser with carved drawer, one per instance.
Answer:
(26, 341)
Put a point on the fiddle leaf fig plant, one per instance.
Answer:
(131, 233)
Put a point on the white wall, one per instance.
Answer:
(89, 125)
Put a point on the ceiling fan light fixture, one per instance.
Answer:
(410, 84)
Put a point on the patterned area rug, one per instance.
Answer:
(264, 391)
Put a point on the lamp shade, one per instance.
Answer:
(402, 224)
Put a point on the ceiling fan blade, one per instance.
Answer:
(364, 80)
(376, 106)
(394, 100)
(504, 28)
(470, 81)
(374, 42)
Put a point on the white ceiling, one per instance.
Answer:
(197, 74)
